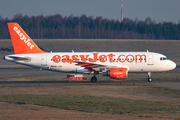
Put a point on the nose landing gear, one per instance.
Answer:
(149, 77)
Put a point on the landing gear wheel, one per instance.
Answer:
(93, 79)
(150, 80)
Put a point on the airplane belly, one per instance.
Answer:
(62, 67)
(142, 67)
(134, 68)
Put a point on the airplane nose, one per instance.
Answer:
(172, 65)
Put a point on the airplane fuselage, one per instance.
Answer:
(66, 61)
(115, 65)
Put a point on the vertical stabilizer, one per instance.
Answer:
(22, 43)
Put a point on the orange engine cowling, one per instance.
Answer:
(116, 73)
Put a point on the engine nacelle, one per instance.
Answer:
(116, 73)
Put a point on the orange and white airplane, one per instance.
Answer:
(116, 65)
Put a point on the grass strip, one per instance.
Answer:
(96, 104)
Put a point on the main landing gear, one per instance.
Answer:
(94, 78)
(149, 77)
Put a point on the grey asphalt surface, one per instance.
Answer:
(171, 84)
(28, 73)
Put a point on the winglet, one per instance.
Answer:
(22, 43)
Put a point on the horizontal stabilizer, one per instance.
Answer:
(17, 59)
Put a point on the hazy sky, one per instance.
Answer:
(158, 10)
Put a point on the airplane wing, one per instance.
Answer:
(97, 67)
(91, 66)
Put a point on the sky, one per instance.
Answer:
(158, 10)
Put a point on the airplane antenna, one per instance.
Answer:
(147, 50)
(72, 51)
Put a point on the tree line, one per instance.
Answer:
(88, 27)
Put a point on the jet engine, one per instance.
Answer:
(116, 73)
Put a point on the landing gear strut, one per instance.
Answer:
(149, 77)
(94, 78)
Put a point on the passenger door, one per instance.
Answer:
(150, 59)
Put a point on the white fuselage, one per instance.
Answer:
(64, 61)
(115, 65)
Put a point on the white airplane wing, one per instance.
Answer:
(98, 67)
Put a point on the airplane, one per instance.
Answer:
(115, 65)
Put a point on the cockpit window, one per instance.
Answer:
(163, 58)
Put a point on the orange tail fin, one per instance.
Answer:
(22, 43)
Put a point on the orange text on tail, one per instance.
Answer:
(22, 43)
